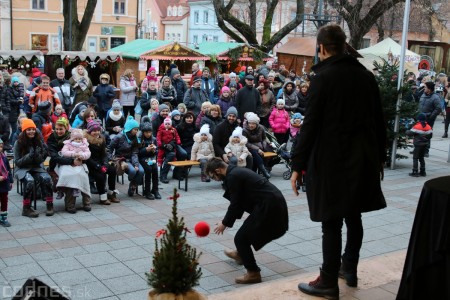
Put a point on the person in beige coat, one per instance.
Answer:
(236, 149)
(203, 149)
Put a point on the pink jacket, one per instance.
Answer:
(279, 120)
(71, 151)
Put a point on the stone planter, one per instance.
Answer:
(191, 295)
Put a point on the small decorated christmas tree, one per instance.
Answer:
(175, 263)
(387, 83)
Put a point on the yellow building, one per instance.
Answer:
(38, 24)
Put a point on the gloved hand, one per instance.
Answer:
(103, 169)
(168, 147)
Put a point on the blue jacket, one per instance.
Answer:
(213, 89)
(104, 94)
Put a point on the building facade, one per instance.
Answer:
(203, 26)
(37, 24)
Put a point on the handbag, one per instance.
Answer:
(120, 164)
(138, 109)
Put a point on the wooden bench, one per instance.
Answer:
(269, 154)
(186, 165)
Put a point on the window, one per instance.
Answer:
(196, 17)
(119, 7)
(116, 41)
(173, 36)
(168, 37)
(205, 17)
(38, 4)
(215, 38)
(195, 39)
(169, 11)
(180, 11)
(204, 38)
(178, 36)
(365, 43)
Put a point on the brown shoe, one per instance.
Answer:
(233, 254)
(113, 198)
(249, 277)
(105, 202)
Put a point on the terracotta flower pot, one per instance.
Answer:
(190, 295)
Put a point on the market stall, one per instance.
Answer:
(20, 59)
(231, 56)
(95, 63)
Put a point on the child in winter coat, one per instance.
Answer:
(6, 181)
(58, 113)
(176, 118)
(76, 147)
(279, 122)
(115, 120)
(236, 149)
(422, 133)
(203, 150)
(182, 109)
(225, 101)
(153, 111)
(296, 123)
(147, 158)
(80, 117)
(168, 142)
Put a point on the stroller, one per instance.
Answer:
(283, 156)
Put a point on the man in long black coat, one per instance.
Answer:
(342, 149)
(268, 219)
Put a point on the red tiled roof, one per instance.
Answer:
(163, 4)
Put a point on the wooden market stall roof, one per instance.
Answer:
(18, 54)
(174, 51)
(135, 49)
(306, 46)
(221, 50)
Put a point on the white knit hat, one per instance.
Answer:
(237, 132)
(232, 74)
(204, 129)
(280, 101)
(252, 118)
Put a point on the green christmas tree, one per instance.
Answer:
(387, 82)
(175, 262)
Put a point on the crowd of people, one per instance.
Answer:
(91, 136)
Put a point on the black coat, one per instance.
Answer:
(221, 136)
(99, 153)
(180, 87)
(342, 143)
(105, 95)
(186, 133)
(254, 194)
(247, 100)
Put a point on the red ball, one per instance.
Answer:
(201, 229)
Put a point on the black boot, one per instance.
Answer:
(414, 173)
(324, 286)
(131, 189)
(422, 173)
(264, 171)
(156, 194)
(349, 273)
(445, 135)
(50, 211)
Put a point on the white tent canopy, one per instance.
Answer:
(382, 49)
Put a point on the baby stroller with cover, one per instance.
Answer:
(283, 156)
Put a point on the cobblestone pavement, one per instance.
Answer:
(104, 254)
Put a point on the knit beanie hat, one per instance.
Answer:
(175, 71)
(233, 84)
(231, 111)
(225, 89)
(175, 113)
(151, 69)
(27, 123)
(104, 75)
(206, 103)
(162, 107)
(153, 100)
(197, 79)
(237, 132)
(206, 69)
(45, 107)
(232, 75)
(63, 122)
(167, 121)
(430, 85)
(14, 79)
(280, 101)
(130, 124)
(82, 108)
(76, 133)
(1, 141)
(116, 104)
(421, 117)
(297, 116)
(146, 124)
(252, 118)
(92, 100)
(204, 129)
(93, 125)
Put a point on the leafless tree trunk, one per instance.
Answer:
(79, 29)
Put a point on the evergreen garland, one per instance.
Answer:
(387, 82)
(175, 262)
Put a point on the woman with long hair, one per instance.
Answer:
(128, 90)
(30, 152)
(81, 83)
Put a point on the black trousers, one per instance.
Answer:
(150, 175)
(128, 109)
(100, 179)
(332, 244)
(244, 247)
(418, 156)
(42, 179)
